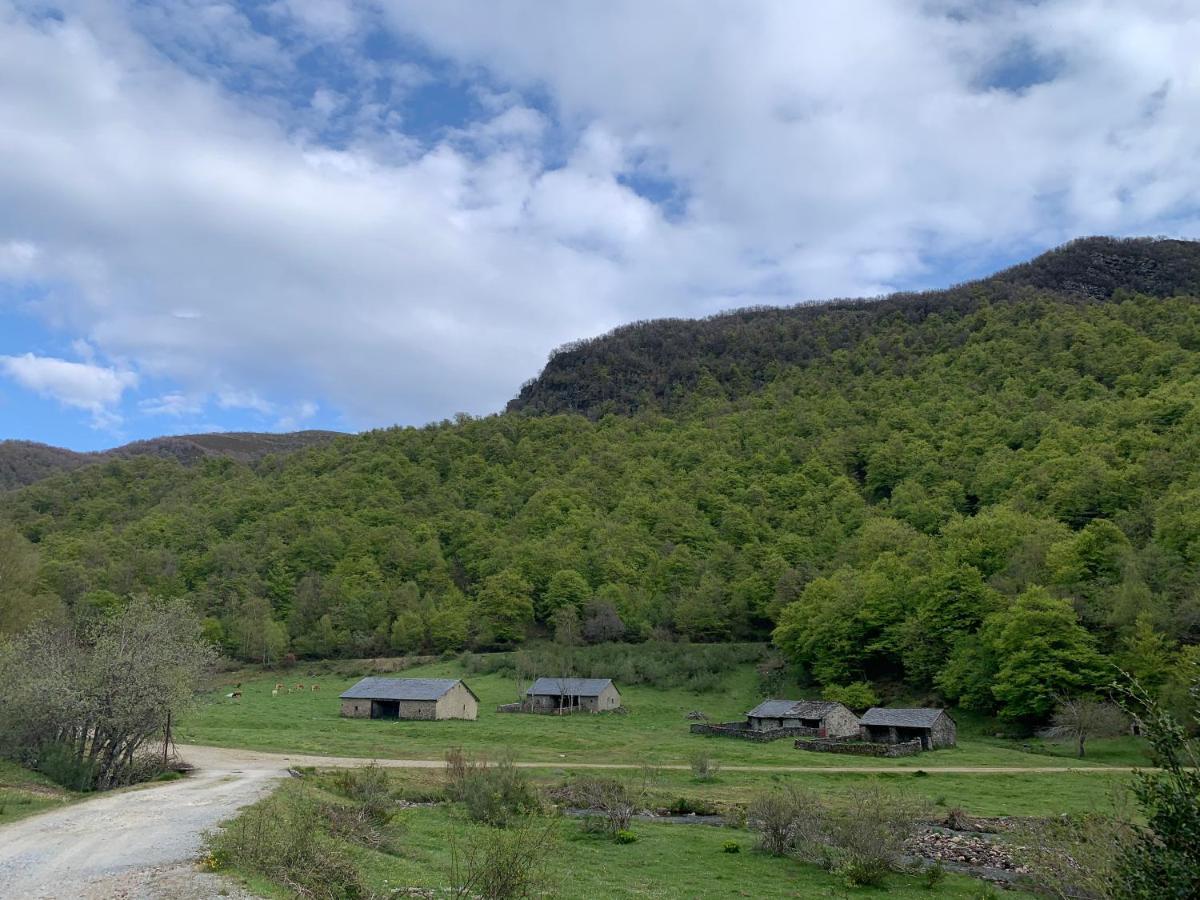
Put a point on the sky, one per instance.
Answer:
(297, 214)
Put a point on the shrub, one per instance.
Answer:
(861, 840)
(657, 663)
(857, 696)
(624, 836)
(1163, 859)
(503, 864)
(787, 821)
(731, 847)
(64, 766)
(867, 835)
(1076, 856)
(369, 787)
(933, 876)
(282, 838)
(607, 796)
(371, 806)
(705, 767)
(493, 794)
(690, 806)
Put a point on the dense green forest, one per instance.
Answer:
(992, 497)
(659, 363)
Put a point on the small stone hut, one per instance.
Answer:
(826, 718)
(410, 698)
(564, 695)
(932, 727)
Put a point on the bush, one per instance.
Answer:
(64, 766)
(492, 794)
(858, 696)
(370, 788)
(658, 663)
(282, 838)
(1163, 858)
(787, 821)
(624, 836)
(690, 806)
(503, 864)
(609, 798)
(867, 835)
(861, 840)
(705, 767)
(933, 876)
(731, 847)
(370, 810)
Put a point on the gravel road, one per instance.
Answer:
(137, 844)
(141, 844)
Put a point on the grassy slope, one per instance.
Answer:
(23, 793)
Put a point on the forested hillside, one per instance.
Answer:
(990, 495)
(25, 462)
(658, 363)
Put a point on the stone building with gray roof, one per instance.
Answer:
(566, 695)
(410, 698)
(932, 727)
(825, 718)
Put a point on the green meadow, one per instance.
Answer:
(23, 793)
(655, 733)
(665, 861)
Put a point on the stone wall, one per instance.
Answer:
(743, 731)
(861, 748)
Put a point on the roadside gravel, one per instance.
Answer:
(137, 844)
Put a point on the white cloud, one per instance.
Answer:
(85, 386)
(173, 404)
(217, 242)
(17, 258)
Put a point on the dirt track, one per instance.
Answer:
(141, 844)
(224, 758)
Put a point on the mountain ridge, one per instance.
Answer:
(26, 462)
(650, 363)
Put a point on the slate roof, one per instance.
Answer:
(793, 709)
(568, 687)
(901, 718)
(401, 689)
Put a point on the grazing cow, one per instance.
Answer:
(316, 687)
(236, 695)
(279, 687)
(275, 692)
(299, 687)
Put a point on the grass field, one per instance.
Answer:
(666, 861)
(654, 731)
(23, 793)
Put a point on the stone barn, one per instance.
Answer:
(410, 698)
(932, 727)
(826, 718)
(565, 695)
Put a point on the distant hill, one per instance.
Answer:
(658, 363)
(25, 462)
